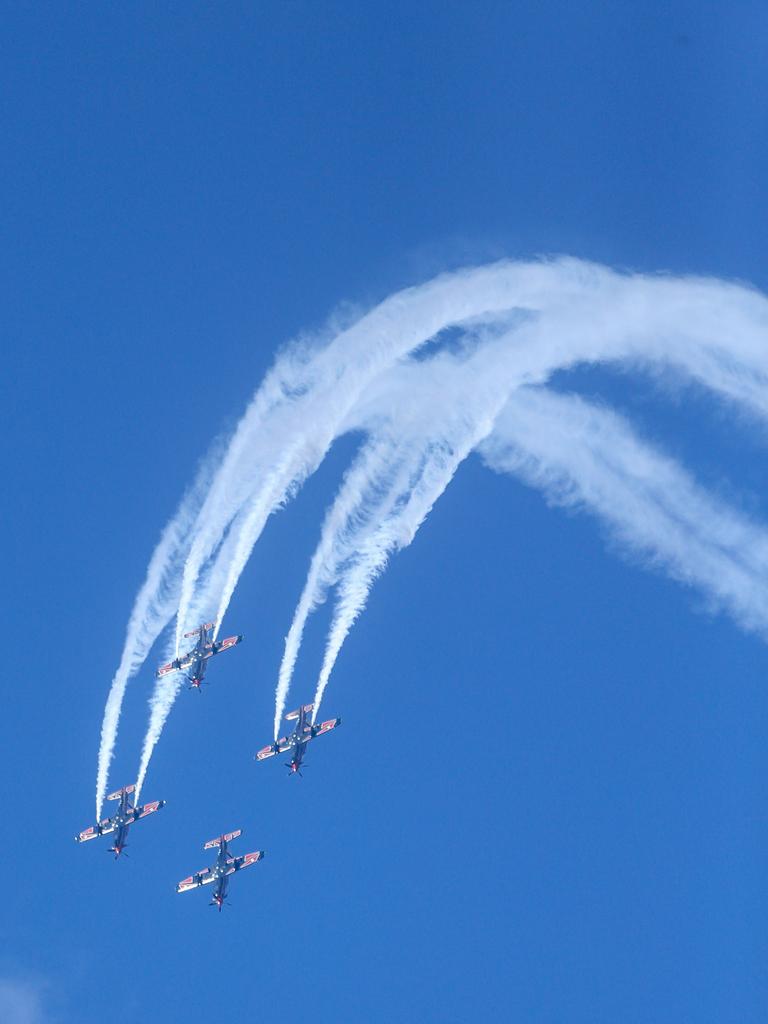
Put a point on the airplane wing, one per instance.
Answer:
(102, 829)
(248, 859)
(327, 726)
(142, 812)
(177, 665)
(193, 881)
(88, 833)
(231, 641)
(266, 752)
(278, 747)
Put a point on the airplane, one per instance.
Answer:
(219, 873)
(195, 662)
(121, 820)
(303, 732)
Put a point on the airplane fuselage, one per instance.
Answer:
(121, 839)
(298, 751)
(196, 671)
(299, 740)
(222, 879)
(200, 655)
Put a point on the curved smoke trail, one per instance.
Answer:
(498, 366)
(152, 610)
(302, 407)
(424, 403)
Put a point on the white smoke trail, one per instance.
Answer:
(583, 455)
(547, 345)
(152, 611)
(304, 402)
(167, 688)
(163, 696)
(439, 460)
(367, 494)
(580, 454)
(408, 436)
(272, 495)
(585, 313)
(308, 394)
(566, 312)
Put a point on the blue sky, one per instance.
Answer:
(547, 799)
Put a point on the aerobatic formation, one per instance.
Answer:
(469, 362)
(192, 665)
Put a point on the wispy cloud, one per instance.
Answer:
(22, 1002)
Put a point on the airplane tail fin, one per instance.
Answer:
(119, 792)
(292, 715)
(199, 630)
(228, 837)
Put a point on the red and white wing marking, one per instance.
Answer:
(102, 829)
(250, 858)
(88, 833)
(283, 744)
(192, 882)
(266, 752)
(327, 726)
(293, 715)
(165, 669)
(227, 838)
(119, 792)
(231, 641)
(198, 631)
(142, 812)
